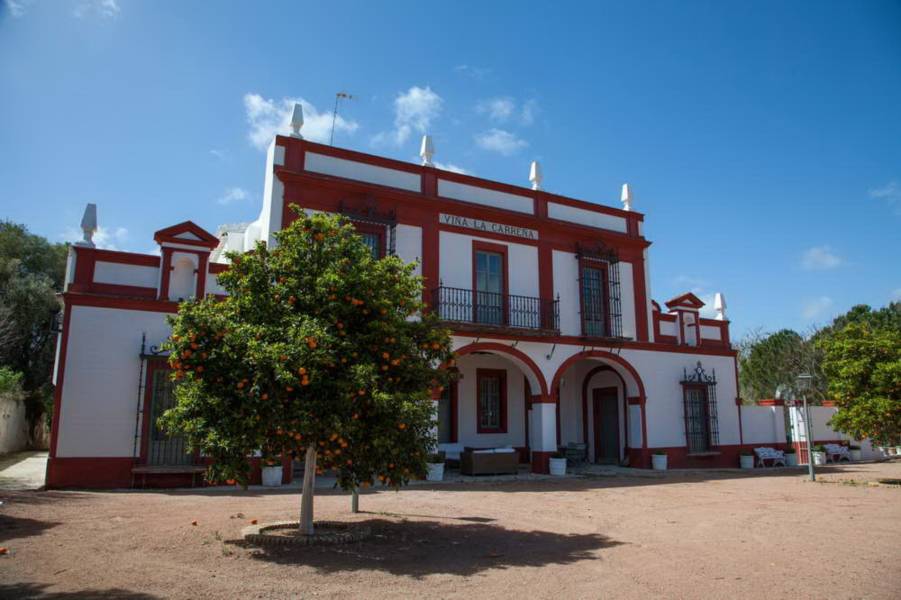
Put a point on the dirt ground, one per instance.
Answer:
(684, 536)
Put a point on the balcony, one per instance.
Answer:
(487, 311)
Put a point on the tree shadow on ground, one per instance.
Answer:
(20, 527)
(420, 548)
(38, 591)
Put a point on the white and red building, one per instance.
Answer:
(548, 297)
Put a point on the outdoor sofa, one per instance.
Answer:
(489, 461)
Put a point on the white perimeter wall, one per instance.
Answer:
(100, 386)
(121, 274)
(455, 263)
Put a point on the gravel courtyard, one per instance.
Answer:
(684, 536)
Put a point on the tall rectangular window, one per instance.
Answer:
(491, 400)
(374, 241)
(594, 301)
(489, 292)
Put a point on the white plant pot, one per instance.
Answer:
(558, 466)
(819, 458)
(747, 462)
(791, 460)
(658, 462)
(436, 472)
(272, 476)
(856, 455)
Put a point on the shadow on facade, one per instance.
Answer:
(420, 548)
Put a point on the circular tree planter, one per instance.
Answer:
(287, 533)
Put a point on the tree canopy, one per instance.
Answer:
(31, 274)
(862, 363)
(317, 346)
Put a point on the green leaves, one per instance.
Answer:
(316, 344)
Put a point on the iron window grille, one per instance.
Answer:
(699, 406)
(373, 220)
(599, 292)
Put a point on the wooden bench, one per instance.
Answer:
(145, 470)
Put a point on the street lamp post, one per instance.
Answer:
(804, 382)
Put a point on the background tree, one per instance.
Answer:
(862, 361)
(318, 349)
(31, 274)
(770, 361)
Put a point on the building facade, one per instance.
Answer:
(548, 298)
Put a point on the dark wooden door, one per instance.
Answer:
(606, 425)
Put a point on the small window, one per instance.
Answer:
(489, 279)
(491, 400)
(374, 241)
(373, 236)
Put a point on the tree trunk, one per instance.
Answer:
(306, 500)
(354, 501)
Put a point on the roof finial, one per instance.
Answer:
(89, 225)
(719, 305)
(297, 120)
(426, 151)
(626, 197)
(535, 175)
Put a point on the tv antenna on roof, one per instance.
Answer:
(338, 96)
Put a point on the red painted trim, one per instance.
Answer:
(495, 348)
(430, 255)
(72, 472)
(479, 246)
(169, 234)
(115, 256)
(60, 378)
(161, 306)
(166, 273)
(687, 300)
(557, 418)
(308, 146)
(641, 300)
(541, 461)
(112, 289)
(604, 355)
(216, 268)
(201, 274)
(502, 375)
(527, 406)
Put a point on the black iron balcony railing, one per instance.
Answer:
(491, 309)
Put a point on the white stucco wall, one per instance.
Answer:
(455, 263)
(582, 216)
(360, 171)
(100, 387)
(763, 424)
(408, 244)
(627, 299)
(212, 284)
(485, 196)
(122, 274)
(566, 286)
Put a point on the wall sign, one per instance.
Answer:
(480, 225)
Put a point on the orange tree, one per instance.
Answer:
(318, 349)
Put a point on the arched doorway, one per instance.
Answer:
(601, 403)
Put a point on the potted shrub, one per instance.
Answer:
(819, 454)
(791, 457)
(658, 460)
(856, 453)
(435, 464)
(558, 463)
(746, 459)
(272, 471)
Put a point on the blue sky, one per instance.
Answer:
(762, 140)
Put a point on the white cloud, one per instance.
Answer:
(505, 108)
(102, 8)
(220, 154)
(471, 71)
(497, 109)
(820, 258)
(452, 168)
(414, 110)
(896, 295)
(104, 238)
(268, 117)
(17, 8)
(232, 195)
(816, 307)
(890, 193)
(500, 141)
(700, 288)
